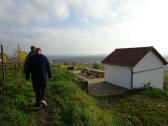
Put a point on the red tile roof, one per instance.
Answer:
(130, 56)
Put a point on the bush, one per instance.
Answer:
(61, 74)
(156, 93)
(98, 66)
(165, 78)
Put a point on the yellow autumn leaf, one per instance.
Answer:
(5, 57)
(22, 56)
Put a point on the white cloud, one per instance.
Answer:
(148, 23)
(99, 9)
(25, 11)
(144, 23)
(63, 41)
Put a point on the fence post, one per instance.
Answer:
(2, 65)
(5, 70)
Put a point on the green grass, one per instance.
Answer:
(68, 105)
(80, 67)
(62, 74)
(98, 66)
(148, 107)
(76, 66)
(17, 98)
(78, 108)
(13, 104)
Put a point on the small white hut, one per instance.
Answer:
(135, 67)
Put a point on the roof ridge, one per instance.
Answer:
(136, 47)
(130, 56)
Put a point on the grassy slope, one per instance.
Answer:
(137, 107)
(147, 107)
(78, 108)
(69, 106)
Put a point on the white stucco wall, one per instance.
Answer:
(149, 69)
(149, 61)
(166, 68)
(118, 75)
(155, 77)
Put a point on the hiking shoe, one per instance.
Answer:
(43, 103)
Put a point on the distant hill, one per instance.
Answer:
(83, 60)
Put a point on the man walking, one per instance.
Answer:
(38, 67)
(32, 52)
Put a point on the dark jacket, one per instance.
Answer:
(25, 67)
(39, 68)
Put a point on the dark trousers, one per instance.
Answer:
(40, 91)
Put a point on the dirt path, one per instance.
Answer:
(38, 117)
(49, 116)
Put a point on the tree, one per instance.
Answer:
(22, 56)
(97, 66)
(5, 57)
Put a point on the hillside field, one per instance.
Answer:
(68, 105)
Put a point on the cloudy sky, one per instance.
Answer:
(78, 27)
